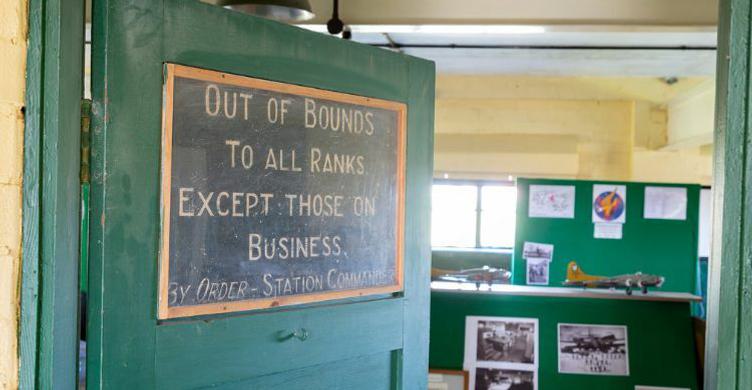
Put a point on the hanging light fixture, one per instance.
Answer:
(279, 10)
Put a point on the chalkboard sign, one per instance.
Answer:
(275, 194)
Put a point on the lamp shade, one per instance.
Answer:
(280, 10)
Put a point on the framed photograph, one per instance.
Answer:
(508, 340)
(537, 250)
(638, 387)
(448, 380)
(593, 349)
(499, 378)
(537, 271)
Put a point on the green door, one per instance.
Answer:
(377, 341)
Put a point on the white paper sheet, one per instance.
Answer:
(666, 203)
(609, 203)
(551, 201)
(611, 231)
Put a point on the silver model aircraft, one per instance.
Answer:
(486, 274)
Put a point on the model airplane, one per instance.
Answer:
(576, 277)
(486, 274)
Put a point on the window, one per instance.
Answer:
(473, 215)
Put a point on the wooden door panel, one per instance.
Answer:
(221, 350)
(364, 372)
(373, 343)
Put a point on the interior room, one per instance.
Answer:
(324, 194)
(534, 122)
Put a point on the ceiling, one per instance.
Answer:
(654, 38)
(651, 38)
(528, 12)
(554, 51)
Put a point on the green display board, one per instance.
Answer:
(656, 246)
(660, 339)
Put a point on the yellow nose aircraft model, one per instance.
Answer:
(577, 277)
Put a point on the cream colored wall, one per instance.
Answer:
(564, 127)
(13, 28)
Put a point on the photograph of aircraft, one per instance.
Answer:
(593, 349)
(484, 275)
(577, 277)
(590, 343)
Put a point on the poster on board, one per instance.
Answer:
(611, 231)
(665, 203)
(593, 349)
(497, 378)
(609, 203)
(501, 351)
(551, 201)
(537, 250)
(537, 271)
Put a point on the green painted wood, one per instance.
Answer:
(29, 318)
(128, 347)
(729, 346)
(411, 367)
(364, 372)
(49, 330)
(663, 247)
(215, 358)
(661, 342)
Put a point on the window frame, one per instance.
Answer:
(479, 184)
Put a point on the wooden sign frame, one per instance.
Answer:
(175, 70)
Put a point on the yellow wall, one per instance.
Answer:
(13, 28)
(567, 127)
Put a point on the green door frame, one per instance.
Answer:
(48, 331)
(728, 363)
(48, 334)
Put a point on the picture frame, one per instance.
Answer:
(439, 379)
(593, 349)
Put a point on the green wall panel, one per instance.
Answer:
(661, 344)
(663, 247)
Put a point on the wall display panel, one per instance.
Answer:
(665, 247)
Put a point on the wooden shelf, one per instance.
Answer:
(564, 292)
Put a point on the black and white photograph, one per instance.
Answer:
(502, 340)
(537, 271)
(492, 378)
(537, 250)
(593, 349)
